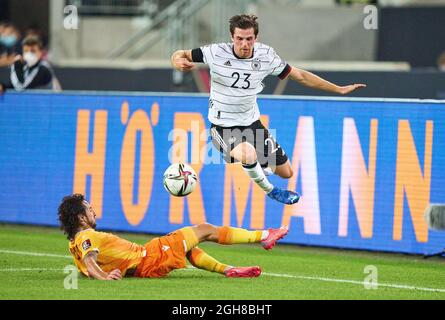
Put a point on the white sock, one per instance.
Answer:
(256, 173)
(267, 171)
(228, 268)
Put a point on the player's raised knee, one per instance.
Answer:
(244, 153)
(206, 230)
(203, 231)
(249, 154)
(205, 226)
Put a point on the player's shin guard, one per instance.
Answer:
(256, 173)
(201, 260)
(230, 235)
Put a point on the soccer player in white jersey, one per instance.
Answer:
(237, 71)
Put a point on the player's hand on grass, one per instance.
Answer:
(348, 89)
(115, 275)
(182, 64)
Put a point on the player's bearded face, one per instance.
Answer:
(243, 42)
(90, 215)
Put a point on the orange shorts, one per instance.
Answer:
(165, 254)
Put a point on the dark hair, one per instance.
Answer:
(69, 210)
(244, 21)
(31, 41)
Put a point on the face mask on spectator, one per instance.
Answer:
(8, 41)
(30, 58)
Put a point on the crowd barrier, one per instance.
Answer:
(366, 168)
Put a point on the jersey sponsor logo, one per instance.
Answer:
(256, 65)
(228, 64)
(86, 244)
(165, 248)
(232, 140)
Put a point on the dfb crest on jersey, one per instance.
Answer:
(256, 65)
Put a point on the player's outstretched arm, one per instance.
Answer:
(182, 60)
(94, 271)
(311, 80)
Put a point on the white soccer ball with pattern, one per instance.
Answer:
(180, 180)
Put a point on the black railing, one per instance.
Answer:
(118, 7)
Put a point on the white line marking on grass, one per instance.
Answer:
(388, 285)
(36, 254)
(279, 275)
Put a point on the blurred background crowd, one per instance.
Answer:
(11, 41)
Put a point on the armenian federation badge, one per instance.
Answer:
(256, 65)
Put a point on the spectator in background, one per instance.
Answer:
(441, 62)
(9, 43)
(30, 71)
(34, 30)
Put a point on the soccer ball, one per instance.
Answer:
(180, 180)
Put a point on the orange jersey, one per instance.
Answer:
(112, 252)
(167, 253)
(164, 254)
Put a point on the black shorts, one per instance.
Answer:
(269, 152)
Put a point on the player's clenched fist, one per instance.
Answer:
(115, 275)
(183, 64)
(182, 60)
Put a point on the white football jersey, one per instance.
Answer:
(235, 83)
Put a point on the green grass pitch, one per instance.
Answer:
(289, 273)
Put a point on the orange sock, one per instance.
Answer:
(230, 235)
(199, 259)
